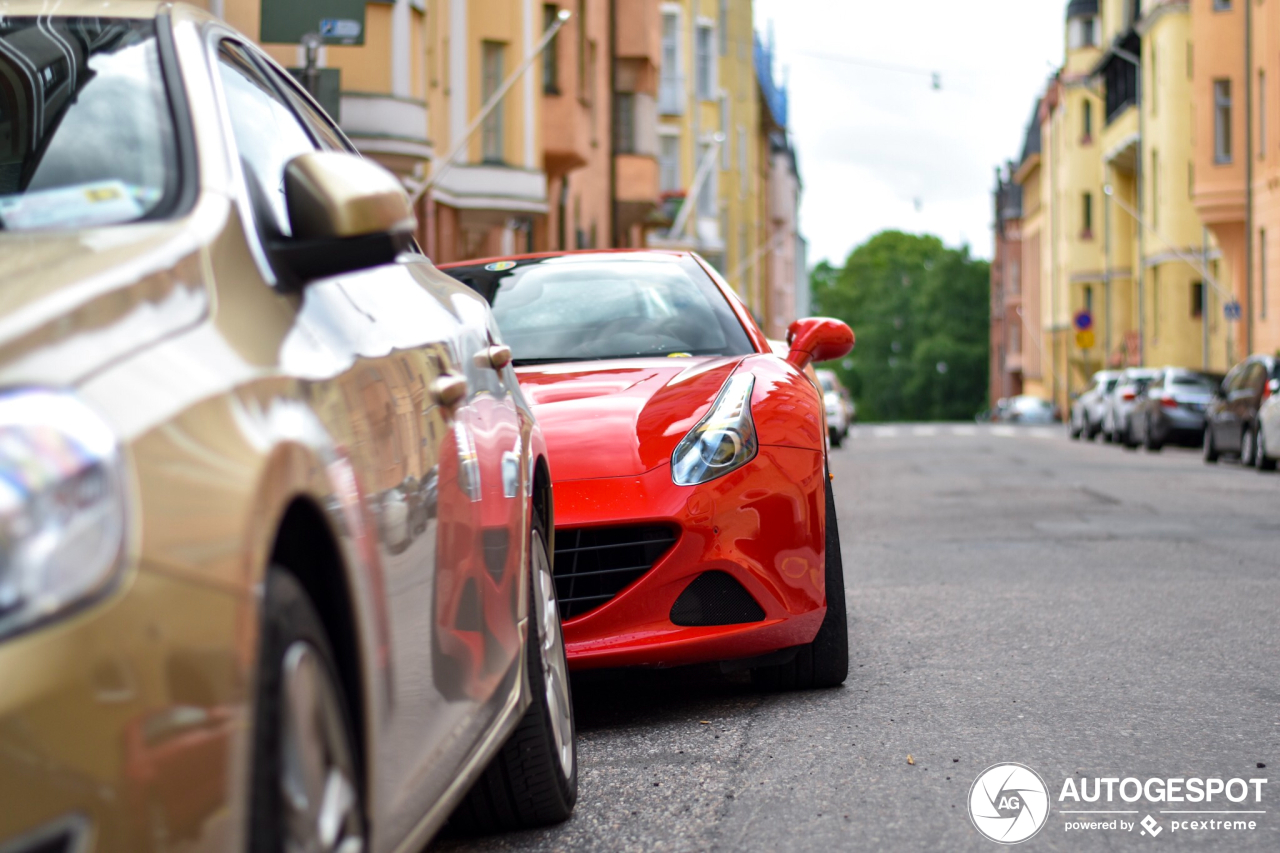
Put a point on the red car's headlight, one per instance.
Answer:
(723, 441)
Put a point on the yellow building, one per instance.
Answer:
(711, 147)
(1178, 296)
(380, 86)
(1075, 279)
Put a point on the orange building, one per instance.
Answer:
(1235, 80)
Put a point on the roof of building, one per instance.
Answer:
(1080, 8)
(1031, 144)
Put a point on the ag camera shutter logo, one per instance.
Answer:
(1008, 803)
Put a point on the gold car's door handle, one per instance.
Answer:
(449, 391)
(496, 357)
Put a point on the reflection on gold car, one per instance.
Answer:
(275, 521)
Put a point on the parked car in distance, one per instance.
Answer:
(1120, 402)
(1088, 409)
(1231, 418)
(1268, 448)
(695, 515)
(276, 516)
(1027, 410)
(841, 412)
(1171, 408)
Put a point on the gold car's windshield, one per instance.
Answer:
(86, 132)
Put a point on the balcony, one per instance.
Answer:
(639, 28)
(393, 130)
(566, 134)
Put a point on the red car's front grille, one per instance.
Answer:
(593, 564)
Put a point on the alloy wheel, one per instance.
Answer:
(555, 668)
(320, 799)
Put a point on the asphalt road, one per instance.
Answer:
(1013, 597)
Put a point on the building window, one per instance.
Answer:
(707, 195)
(1197, 299)
(1262, 273)
(551, 55)
(581, 20)
(669, 163)
(1086, 218)
(704, 63)
(624, 123)
(1222, 5)
(1155, 303)
(726, 147)
(1155, 189)
(671, 87)
(492, 147)
(1262, 114)
(1083, 32)
(1088, 298)
(1154, 86)
(1087, 121)
(724, 27)
(1222, 121)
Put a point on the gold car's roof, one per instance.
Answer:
(86, 8)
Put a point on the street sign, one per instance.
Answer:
(336, 21)
(1083, 320)
(1231, 310)
(1085, 339)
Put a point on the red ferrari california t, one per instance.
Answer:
(694, 513)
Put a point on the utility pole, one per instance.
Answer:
(1248, 177)
(1140, 272)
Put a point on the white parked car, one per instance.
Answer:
(841, 412)
(1121, 400)
(1089, 408)
(1267, 452)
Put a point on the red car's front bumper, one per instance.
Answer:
(762, 524)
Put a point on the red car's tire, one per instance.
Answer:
(825, 661)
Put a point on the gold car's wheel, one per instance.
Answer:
(316, 779)
(306, 789)
(533, 780)
(555, 667)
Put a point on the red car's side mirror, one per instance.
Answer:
(818, 339)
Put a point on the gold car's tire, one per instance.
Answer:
(306, 791)
(533, 780)
(825, 661)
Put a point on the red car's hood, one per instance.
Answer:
(620, 418)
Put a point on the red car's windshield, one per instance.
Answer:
(577, 308)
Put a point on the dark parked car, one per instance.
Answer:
(1172, 408)
(1232, 415)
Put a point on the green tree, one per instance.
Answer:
(920, 311)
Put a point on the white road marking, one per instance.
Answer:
(885, 432)
(924, 431)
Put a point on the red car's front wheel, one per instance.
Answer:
(825, 661)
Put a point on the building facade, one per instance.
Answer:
(656, 123)
(1151, 194)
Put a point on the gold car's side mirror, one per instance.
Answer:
(346, 213)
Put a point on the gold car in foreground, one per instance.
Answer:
(274, 518)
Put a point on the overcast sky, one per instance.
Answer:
(873, 142)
